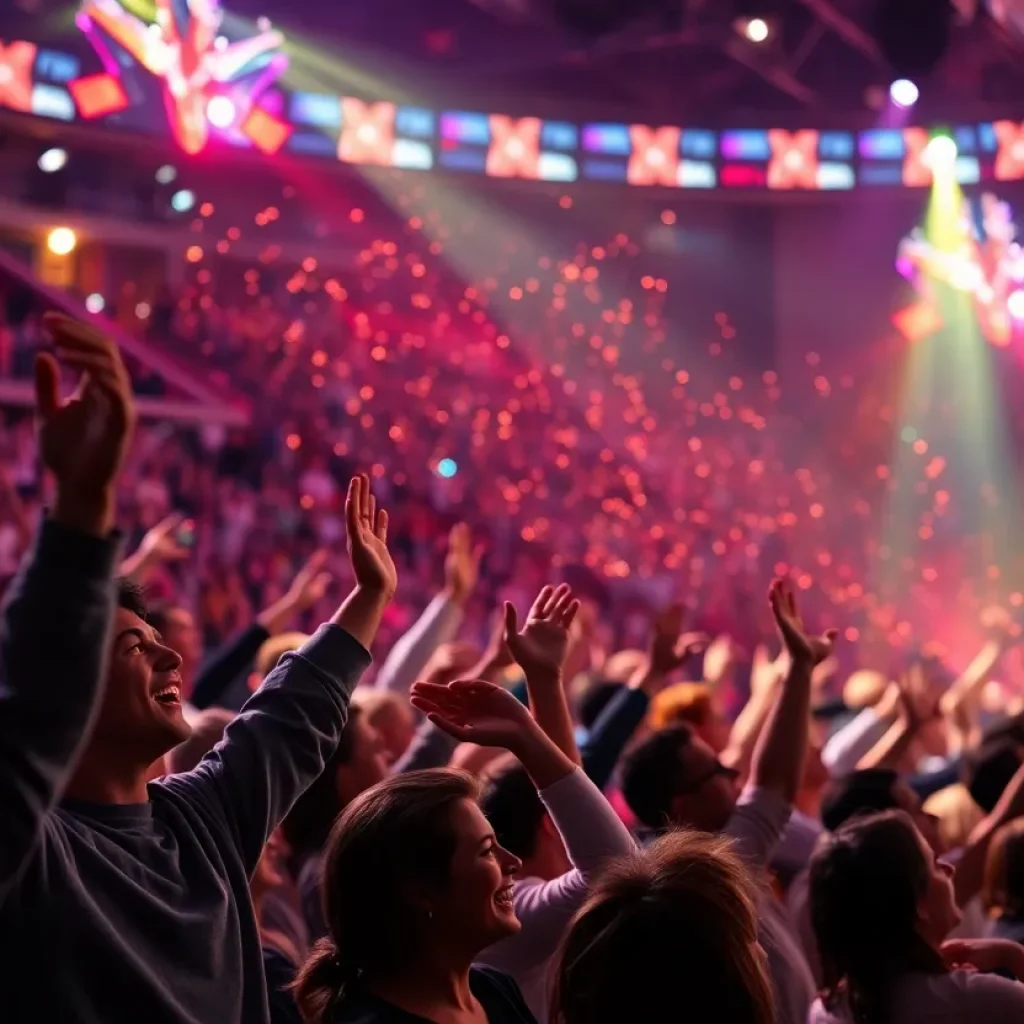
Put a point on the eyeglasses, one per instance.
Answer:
(718, 770)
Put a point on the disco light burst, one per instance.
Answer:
(951, 414)
(182, 47)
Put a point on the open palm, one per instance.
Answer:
(367, 538)
(474, 711)
(798, 643)
(542, 644)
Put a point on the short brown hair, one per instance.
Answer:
(674, 921)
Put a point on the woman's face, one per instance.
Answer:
(476, 907)
(937, 911)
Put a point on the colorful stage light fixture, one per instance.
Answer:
(61, 241)
(52, 160)
(756, 30)
(903, 92)
(220, 112)
(940, 153)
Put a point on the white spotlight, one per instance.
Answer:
(95, 303)
(903, 92)
(166, 174)
(940, 153)
(52, 160)
(1015, 305)
(183, 200)
(756, 30)
(220, 112)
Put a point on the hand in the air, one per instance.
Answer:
(367, 539)
(462, 563)
(475, 711)
(669, 648)
(801, 647)
(541, 646)
(160, 544)
(310, 583)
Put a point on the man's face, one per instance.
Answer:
(141, 712)
(708, 791)
(181, 635)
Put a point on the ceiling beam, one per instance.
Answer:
(774, 74)
(844, 27)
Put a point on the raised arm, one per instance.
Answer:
(290, 727)
(53, 632)
(540, 650)
(440, 620)
(778, 760)
(229, 661)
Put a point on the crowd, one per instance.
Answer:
(527, 828)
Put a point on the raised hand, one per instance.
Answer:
(800, 646)
(669, 648)
(310, 583)
(984, 955)
(83, 441)
(367, 539)
(475, 711)
(462, 563)
(160, 544)
(541, 646)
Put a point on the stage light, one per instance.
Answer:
(220, 112)
(756, 30)
(183, 200)
(940, 153)
(1015, 305)
(903, 92)
(52, 160)
(61, 241)
(447, 468)
(94, 303)
(166, 174)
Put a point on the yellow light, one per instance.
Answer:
(61, 241)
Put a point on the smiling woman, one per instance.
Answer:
(415, 886)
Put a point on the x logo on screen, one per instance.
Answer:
(1010, 157)
(515, 147)
(367, 132)
(794, 161)
(655, 156)
(16, 60)
(916, 173)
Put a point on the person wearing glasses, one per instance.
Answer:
(674, 779)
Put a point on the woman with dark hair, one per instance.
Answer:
(416, 886)
(668, 934)
(882, 904)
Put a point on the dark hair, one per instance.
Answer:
(675, 918)
(309, 822)
(394, 836)
(514, 809)
(866, 880)
(865, 792)
(132, 597)
(595, 699)
(1003, 891)
(988, 770)
(652, 775)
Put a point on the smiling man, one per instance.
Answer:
(122, 900)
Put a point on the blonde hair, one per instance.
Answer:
(957, 814)
(864, 688)
(271, 651)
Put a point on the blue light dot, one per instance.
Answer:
(447, 468)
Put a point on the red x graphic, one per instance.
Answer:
(515, 147)
(915, 171)
(655, 157)
(16, 60)
(367, 132)
(1010, 158)
(794, 162)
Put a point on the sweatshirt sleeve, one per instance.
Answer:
(430, 748)
(848, 745)
(280, 741)
(53, 655)
(438, 624)
(593, 834)
(225, 665)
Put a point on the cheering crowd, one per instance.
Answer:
(524, 829)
